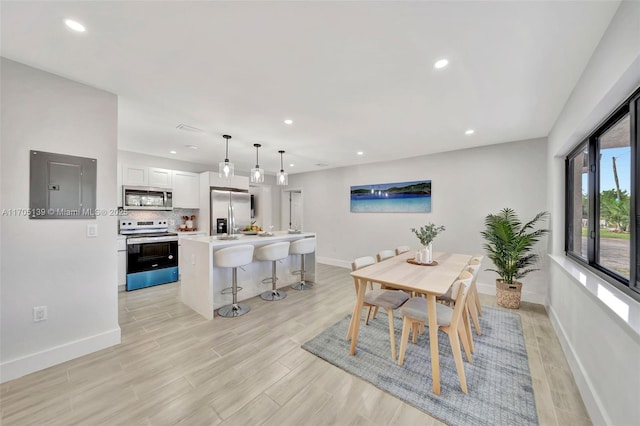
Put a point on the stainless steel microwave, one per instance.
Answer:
(146, 198)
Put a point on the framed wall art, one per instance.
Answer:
(398, 197)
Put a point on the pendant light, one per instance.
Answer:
(257, 174)
(282, 178)
(225, 168)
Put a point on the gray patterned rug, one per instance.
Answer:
(499, 382)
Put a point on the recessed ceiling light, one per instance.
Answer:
(469, 132)
(173, 152)
(191, 146)
(360, 153)
(75, 26)
(288, 121)
(441, 63)
(291, 165)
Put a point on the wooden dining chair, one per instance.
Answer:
(380, 256)
(450, 320)
(384, 255)
(472, 299)
(474, 288)
(402, 249)
(389, 300)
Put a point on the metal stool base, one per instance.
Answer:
(233, 310)
(302, 286)
(273, 295)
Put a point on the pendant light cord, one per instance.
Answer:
(226, 150)
(257, 145)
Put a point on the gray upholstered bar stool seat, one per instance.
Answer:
(302, 246)
(233, 257)
(273, 252)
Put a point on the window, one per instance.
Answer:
(602, 202)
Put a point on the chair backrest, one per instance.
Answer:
(361, 262)
(474, 267)
(402, 249)
(233, 256)
(385, 254)
(303, 246)
(463, 284)
(275, 251)
(455, 287)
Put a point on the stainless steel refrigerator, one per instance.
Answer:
(229, 208)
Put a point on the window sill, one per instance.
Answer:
(623, 306)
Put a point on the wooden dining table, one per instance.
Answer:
(432, 281)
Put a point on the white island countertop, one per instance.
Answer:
(202, 282)
(216, 242)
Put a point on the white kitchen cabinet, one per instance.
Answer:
(122, 262)
(160, 178)
(135, 175)
(186, 190)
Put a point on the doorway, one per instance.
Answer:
(292, 209)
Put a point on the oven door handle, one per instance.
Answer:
(143, 240)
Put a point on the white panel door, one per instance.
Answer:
(296, 210)
(291, 209)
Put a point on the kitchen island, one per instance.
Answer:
(202, 282)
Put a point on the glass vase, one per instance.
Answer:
(427, 253)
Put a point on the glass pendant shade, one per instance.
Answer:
(257, 174)
(282, 178)
(225, 168)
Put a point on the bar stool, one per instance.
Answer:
(302, 246)
(233, 257)
(273, 252)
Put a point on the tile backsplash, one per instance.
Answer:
(174, 215)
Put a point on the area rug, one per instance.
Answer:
(498, 379)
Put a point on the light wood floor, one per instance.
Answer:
(173, 366)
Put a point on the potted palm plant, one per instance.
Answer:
(510, 246)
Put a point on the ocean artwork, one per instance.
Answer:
(400, 197)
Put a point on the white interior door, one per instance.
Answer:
(292, 209)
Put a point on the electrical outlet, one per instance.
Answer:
(39, 313)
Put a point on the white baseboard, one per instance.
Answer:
(526, 296)
(334, 262)
(591, 401)
(19, 367)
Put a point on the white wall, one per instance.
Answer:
(52, 262)
(602, 352)
(466, 186)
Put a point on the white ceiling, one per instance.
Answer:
(352, 75)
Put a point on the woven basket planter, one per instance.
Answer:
(508, 295)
